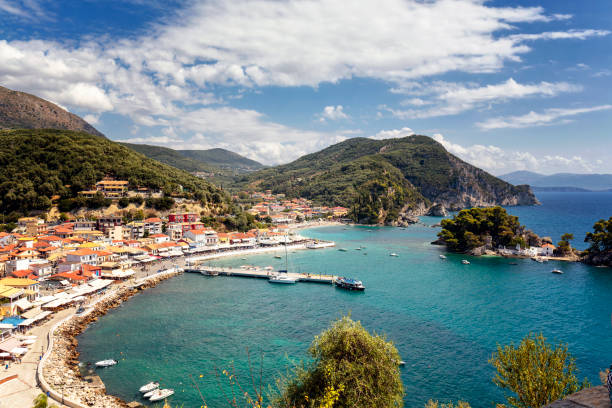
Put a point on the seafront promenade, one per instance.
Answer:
(45, 368)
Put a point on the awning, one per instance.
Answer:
(6, 326)
(19, 350)
(9, 344)
(31, 313)
(23, 304)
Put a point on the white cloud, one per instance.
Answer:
(91, 119)
(548, 117)
(166, 77)
(394, 133)
(561, 35)
(333, 113)
(452, 98)
(499, 161)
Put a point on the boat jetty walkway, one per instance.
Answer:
(255, 272)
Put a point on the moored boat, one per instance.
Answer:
(349, 283)
(557, 271)
(161, 394)
(106, 363)
(282, 279)
(393, 254)
(465, 262)
(153, 385)
(342, 249)
(442, 256)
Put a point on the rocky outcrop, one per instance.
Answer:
(437, 210)
(598, 259)
(20, 110)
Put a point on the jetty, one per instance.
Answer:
(254, 272)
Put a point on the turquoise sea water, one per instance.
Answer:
(444, 317)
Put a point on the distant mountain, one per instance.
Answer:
(561, 181)
(381, 180)
(224, 159)
(39, 163)
(172, 157)
(20, 110)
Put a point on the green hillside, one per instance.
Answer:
(37, 164)
(384, 177)
(172, 158)
(224, 159)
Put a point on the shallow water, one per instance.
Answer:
(444, 317)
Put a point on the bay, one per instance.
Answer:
(444, 317)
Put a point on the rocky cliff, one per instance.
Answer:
(20, 110)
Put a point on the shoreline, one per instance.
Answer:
(59, 366)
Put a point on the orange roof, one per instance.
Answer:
(103, 253)
(153, 219)
(49, 238)
(158, 236)
(82, 252)
(547, 245)
(22, 273)
(70, 275)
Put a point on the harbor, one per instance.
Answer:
(260, 273)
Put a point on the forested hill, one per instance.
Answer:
(37, 164)
(224, 159)
(172, 158)
(388, 177)
(20, 110)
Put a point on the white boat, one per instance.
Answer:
(557, 271)
(315, 245)
(161, 394)
(465, 262)
(153, 385)
(278, 257)
(106, 363)
(393, 254)
(282, 279)
(442, 256)
(148, 394)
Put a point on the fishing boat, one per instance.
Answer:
(442, 256)
(557, 271)
(349, 283)
(282, 279)
(393, 254)
(153, 385)
(465, 262)
(161, 394)
(209, 272)
(106, 363)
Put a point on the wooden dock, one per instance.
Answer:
(261, 274)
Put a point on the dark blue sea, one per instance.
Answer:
(445, 318)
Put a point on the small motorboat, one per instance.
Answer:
(393, 254)
(282, 279)
(278, 257)
(106, 363)
(557, 271)
(442, 256)
(357, 249)
(160, 394)
(465, 262)
(342, 249)
(152, 386)
(401, 363)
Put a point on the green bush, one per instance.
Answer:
(351, 368)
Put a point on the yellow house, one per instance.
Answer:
(29, 286)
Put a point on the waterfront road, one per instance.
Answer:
(20, 392)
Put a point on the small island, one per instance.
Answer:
(492, 231)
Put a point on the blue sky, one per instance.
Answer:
(505, 85)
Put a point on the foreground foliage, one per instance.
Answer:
(42, 401)
(351, 368)
(535, 372)
(471, 228)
